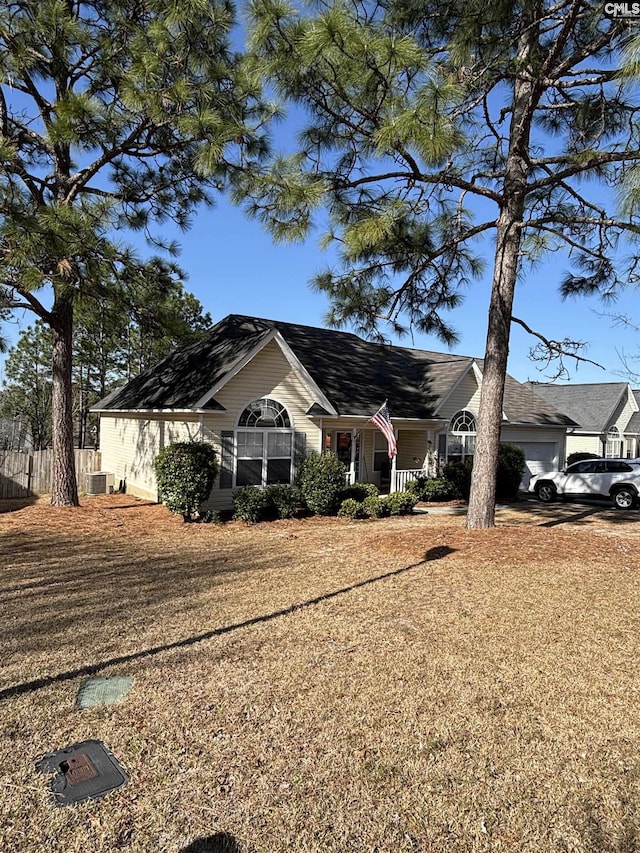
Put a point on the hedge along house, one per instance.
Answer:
(265, 393)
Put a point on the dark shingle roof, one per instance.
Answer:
(355, 375)
(592, 405)
(522, 405)
(185, 376)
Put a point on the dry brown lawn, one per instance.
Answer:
(325, 685)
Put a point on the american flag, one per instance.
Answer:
(383, 421)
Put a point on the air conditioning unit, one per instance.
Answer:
(99, 483)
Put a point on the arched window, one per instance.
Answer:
(612, 447)
(265, 413)
(461, 441)
(264, 444)
(463, 422)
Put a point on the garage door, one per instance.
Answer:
(538, 457)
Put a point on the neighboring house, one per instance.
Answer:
(265, 392)
(608, 414)
(15, 434)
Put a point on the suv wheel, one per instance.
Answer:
(546, 492)
(624, 498)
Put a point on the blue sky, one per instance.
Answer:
(234, 267)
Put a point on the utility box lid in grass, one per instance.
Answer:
(82, 771)
(103, 691)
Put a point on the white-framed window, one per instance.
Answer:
(264, 444)
(461, 439)
(265, 412)
(613, 443)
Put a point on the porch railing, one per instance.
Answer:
(399, 483)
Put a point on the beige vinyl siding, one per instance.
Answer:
(623, 413)
(577, 443)
(514, 433)
(412, 449)
(130, 444)
(219, 498)
(269, 374)
(465, 396)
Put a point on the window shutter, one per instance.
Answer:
(226, 459)
(442, 450)
(299, 451)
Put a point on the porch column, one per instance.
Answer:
(392, 483)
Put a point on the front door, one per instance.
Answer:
(346, 446)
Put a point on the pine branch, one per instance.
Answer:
(31, 303)
(548, 351)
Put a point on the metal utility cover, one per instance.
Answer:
(83, 771)
(103, 691)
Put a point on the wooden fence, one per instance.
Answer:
(26, 474)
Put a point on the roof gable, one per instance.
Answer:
(185, 376)
(591, 405)
(345, 374)
(633, 427)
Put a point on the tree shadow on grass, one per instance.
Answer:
(599, 837)
(436, 553)
(221, 842)
(571, 518)
(574, 511)
(15, 504)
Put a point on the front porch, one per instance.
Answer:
(365, 453)
(398, 479)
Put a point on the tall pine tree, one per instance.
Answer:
(432, 125)
(110, 114)
(116, 335)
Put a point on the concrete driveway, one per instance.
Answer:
(529, 510)
(600, 513)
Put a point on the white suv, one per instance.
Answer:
(618, 479)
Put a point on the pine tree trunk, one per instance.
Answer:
(64, 489)
(482, 500)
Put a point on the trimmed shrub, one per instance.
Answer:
(359, 492)
(580, 457)
(321, 481)
(376, 507)
(459, 475)
(416, 486)
(351, 508)
(210, 516)
(401, 503)
(185, 473)
(251, 504)
(432, 489)
(283, 499)
(511, 467)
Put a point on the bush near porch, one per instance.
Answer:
(511, 466)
